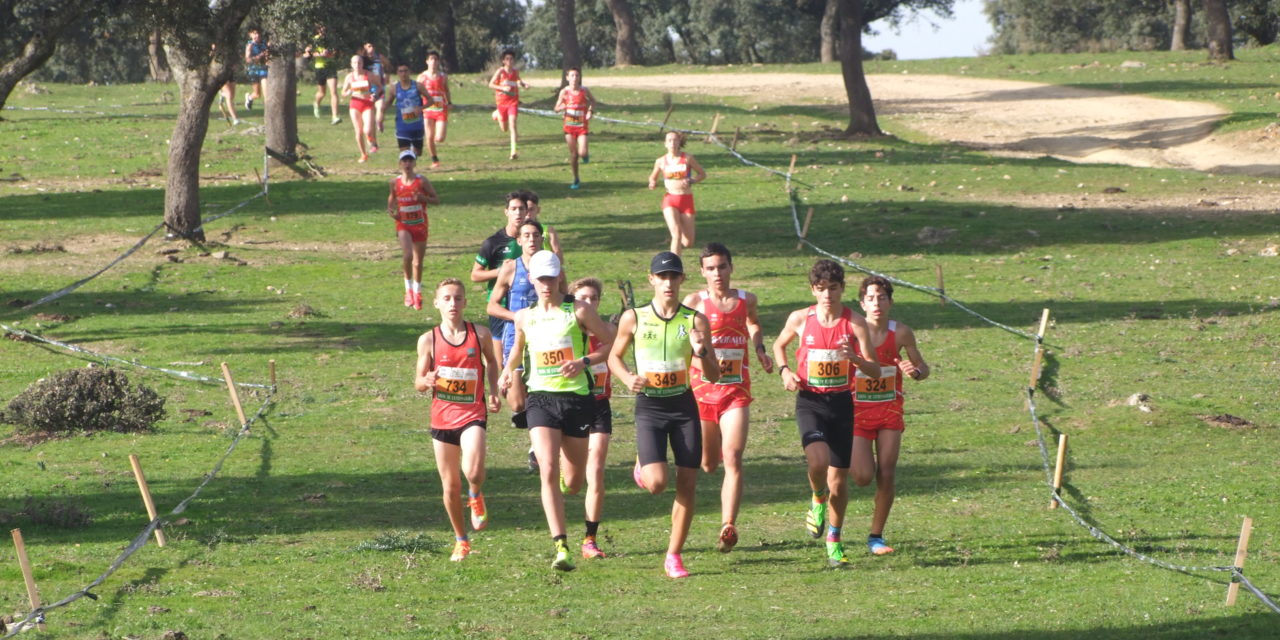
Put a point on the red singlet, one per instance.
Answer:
(510, 96)
(818, 361)
(458, 396)
(600, 386)
(575, 112)
(877, 402)
(676, 168)
(434, 101)
(731, 342)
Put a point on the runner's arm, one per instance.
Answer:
(505, 276)
(914, 365)
(429, 191)
(697, 174)
(700, 340)
(491, 368)
(516, 356)
(493, 83)
(756, 334)
(653, 175)
(626, 331)
(391, 201)
(560, 101)
(790, 381)
(591, 103)
(424, 374)
(869, 364)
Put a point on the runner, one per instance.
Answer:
(550, 238)
(454, 360)
(723, 406)
(877, 403)
(227, 103)
(513, 291)
(561, 407)
(359, 85)
(506, 84)
(667, 335)
(495, 250)
(322, 57)
(407, 205)
(587, 291)
(408, 97)
(824, 404)
(679, 172)
(577, 104)
(255, 66)
(376, 64)
(435, 84)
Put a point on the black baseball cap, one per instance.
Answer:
(664, 262)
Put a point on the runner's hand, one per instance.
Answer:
(637, 384)
(790, 381)
(494, 403)
(571, 368)
(910, 369)
(504, 382)
(766, 362)
(428, 380)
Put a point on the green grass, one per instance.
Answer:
(1143, 301)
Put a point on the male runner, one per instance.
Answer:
(376, 64)
(824, 404)
(877, 403)
(561, 407)
(577, 105)
(407, 205)
(435, 84)
(679, 172)
(454, 359)
(512, 291)
(408, 96)
(667, 336)
(723, 406)
(322, 58)
(533, 209)
(495, 250)
(506, 84)
(255, 66)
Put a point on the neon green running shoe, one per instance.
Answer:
(564, 486)
(835, 555)
(814, 519)
(563, 561)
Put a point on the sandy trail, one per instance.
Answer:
(1011, 117)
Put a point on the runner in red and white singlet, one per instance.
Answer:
(679, 172)
(407, 205)
(506, 84)
(577, 104)
(360, 85)
(436, 104)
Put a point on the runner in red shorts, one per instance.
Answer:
(877, 403)
(679, 172)
(723, 405)
(454, 360)
(506, 84)
(359, 85)
(577, 105)
(436, 105)
(407, 205)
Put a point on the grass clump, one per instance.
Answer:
(92, 399)
(399, 541)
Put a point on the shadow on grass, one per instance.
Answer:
(1244, 625)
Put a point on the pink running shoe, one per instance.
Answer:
(408, 298)
(417, 300)
(590, 550)
(635, 475)
(675, 566)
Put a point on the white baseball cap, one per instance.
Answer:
(544, 264)
(408, 153)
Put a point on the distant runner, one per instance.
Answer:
(325, 72)
(577, 105)
(438, 100)
(359, 85)
(679, 172)
(255, 66)
(506, 84)
(407, 96)
(407, 205)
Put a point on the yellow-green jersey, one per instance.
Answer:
(663, 351)
(553, 338)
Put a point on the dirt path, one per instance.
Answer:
(1022, 118)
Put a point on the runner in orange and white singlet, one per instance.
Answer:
(723, 406)
(407, 205)
(506, 84)
(825, 358)
(359, 85)
(679, 171)
(577, 104)
(436, 104)
(454, 361)
(877, 403)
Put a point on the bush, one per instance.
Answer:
(92, 399)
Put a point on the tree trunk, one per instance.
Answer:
(1218, 23)
(830, 33)
(156, 62)
(280, 111)
(1181, 25)
(862, 114)
(37, 49)
(567, 25)
(449, 39)
(198, 84)
(627, 46)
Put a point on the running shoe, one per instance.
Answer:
(533, 463)
(562, 562)
(514, 155)
(635, 475)
(586, 159)
(674, 566)
(461, 549)
(835, 554)
(814, 519)
(576, 185)
(479, 515)
(364, 157)
(417, 301)
(373, 148)
(728, 538)
(248, 103)
(435, 164)
(335, 120)
(236, 121)
(408, 298)
(315, 109)
(590, 550)
(877, 546)
(564, 486)
(497, 117)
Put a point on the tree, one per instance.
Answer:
(32, 30)
(1218, 30)
(862, 113)
(1181, 25)
(567, 26)
(1257, 19)
(627, 49)
(829, 32)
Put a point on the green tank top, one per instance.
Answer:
(663, 351)
(553, 338)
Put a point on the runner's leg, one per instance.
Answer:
(447, 459)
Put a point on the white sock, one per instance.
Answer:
(417, 287)
(408, 285)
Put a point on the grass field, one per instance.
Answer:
(1174, 303)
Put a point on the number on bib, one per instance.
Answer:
(664, 378)
(548, 356)
(828, 369)
(882, 389)
(455, 384)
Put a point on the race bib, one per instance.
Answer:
(882, 389)
(730, 365)
(454, 384)
(409, 114)
(547, 356)
(664, 377)
(828, 369)
(599, 378)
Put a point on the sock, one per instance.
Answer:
(460, 538)
(875, 535)
(833, 534)
(408, 285)
(559, 540)
(592, 528)
(417, 287)
(474, 494)
(435, 159)
(820, 496)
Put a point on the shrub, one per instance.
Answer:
(91, 399)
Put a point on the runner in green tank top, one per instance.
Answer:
(560, 407)
(667, 335)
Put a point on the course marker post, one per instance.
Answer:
(670, 108)
(33, 594)
(1242, 549)
(235, 396)
(715, 124)
(804, 233)
(791, 169)
(1035, 367)
(262, 183)
(942, 290)
(146, 495)
(737, 131)
(271, 369)
(1057, 470)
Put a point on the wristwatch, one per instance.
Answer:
(586, 361)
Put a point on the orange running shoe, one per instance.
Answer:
(479, 516)
(461, 549)
(728, 538)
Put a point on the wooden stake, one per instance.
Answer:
(1044, 323)
(715, 124)
(262, 184)
(792, 168)
(33, 594)
(942, 301)
(1057, 471)
(737, 131)
(1242, 549)
(146, 495)
(235, 395)
(1035, 368)
(271, 366)
(670, 108)
(804, 233)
